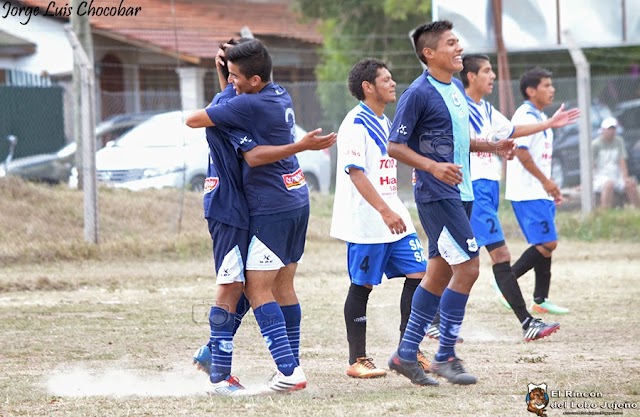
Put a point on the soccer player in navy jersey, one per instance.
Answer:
(278, 202)
(486, 170)
(430, 132)
(227, 214)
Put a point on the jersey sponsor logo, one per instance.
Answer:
(388, 180)
(294, 180)
(388, 163)
(352, 152)
(402, 129)
(211, 184)
(245, 139)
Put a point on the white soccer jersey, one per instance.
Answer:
(362, 143)
(487, 123)
(521, 185)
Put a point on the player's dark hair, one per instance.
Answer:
(471, 63)
(252, 58)
(532, 78)
(365, 70)
(428, 35)
(226, 47)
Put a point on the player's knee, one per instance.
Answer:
(500, 255)
(548, 247)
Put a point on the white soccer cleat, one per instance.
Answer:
(229, 387)
(294, 382)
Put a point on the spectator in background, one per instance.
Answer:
(610, 166)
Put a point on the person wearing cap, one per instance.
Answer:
(611, 174)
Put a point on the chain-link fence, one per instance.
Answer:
(46, 125)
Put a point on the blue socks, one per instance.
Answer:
(452, 306)
(273, 328)
(292, 317)
(242, 308)
(423, 307)
(221, 323)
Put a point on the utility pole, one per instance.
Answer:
(82, 29)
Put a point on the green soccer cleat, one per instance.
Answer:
(548, 307)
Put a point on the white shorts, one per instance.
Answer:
(600, 181)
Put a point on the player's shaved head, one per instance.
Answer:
(428, 35)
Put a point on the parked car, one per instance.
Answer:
(164, 152)
(565, 170)
(56, 167)
(566, 141)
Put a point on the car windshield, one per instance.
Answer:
(160, 131)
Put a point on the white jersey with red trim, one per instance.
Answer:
(362, 144)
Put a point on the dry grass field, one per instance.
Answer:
(109, 331)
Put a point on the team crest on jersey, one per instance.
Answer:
(472, 245)
(211, 184)
(294, 180)
(268, 341)
(456, 98)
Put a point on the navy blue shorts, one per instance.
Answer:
(276, 240)
(447, 226)
(367, 262)
(537, 220)
(484, 216)
(230, 246)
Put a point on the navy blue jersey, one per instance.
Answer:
(269, 119)
(432, 118)
(224, 199)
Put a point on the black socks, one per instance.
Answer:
(509, 287)
(355, 317)
(406, 298)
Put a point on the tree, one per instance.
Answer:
(355, 29)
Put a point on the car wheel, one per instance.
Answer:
(197, 183)
(557, 172)
(312, 183)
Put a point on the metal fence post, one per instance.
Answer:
(88, 139)
(583, 81)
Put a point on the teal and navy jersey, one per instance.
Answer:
(432, 118)
(224, 199)
(268, 119)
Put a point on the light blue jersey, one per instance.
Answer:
(453, 96)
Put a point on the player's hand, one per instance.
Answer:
(505, 148)
(562, 118)
(393, 221)
(221, 57)
(312, 141)
(553, 190)
(448, 173)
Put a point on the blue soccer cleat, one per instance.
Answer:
(202, 359)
